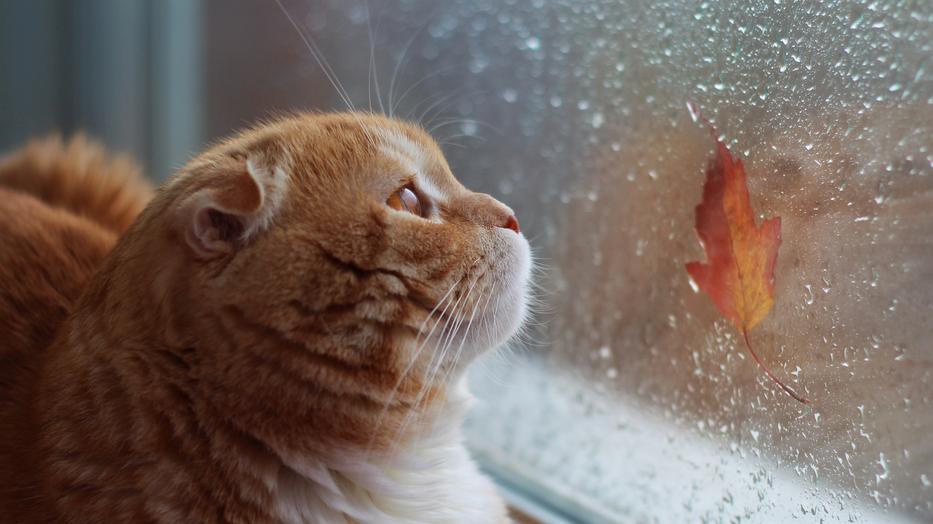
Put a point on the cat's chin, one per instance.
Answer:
(508, 303)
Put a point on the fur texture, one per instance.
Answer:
(268, 342)
(81, 177)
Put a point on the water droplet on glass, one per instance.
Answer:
(901, 352)
(478, 64)
(694, 111)
(694, 286)
(884, 468)
(597, 120)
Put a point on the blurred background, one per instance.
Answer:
(631, 399)
(126, 72)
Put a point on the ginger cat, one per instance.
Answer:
(280, 336)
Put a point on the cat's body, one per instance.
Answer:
(61, 210)
(279, 337)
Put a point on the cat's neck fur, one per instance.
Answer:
(429, 479)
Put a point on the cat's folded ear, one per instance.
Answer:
(228, 205)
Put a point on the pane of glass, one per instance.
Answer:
(632, 398)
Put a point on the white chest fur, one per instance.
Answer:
(433, 480)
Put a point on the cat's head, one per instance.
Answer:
(329, 271)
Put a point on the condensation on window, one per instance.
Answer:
(630, 399)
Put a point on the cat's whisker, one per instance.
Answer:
(453, 120)
(455, 136)
(417, 114)
(451, 327)
(444, 145)
(439, 112)
(446, 301)
(451, 336)
(451, 140)
(491, 323)
(373, 80)
(438, 107)
(446, 298)
(318, 57)
(415, 85)
(463, 338)
(326, 68)
(447, 320)
(466, 332)
(401, 63)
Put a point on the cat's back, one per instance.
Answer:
(62, 204)
(47, 256)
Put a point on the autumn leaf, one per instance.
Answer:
(739, 273)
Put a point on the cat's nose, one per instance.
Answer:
(512, 223)
(487, 211)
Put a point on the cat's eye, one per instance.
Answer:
(405, 199)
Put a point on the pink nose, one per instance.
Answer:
(486, 211)
(512, 223)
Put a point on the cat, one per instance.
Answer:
(280, 336)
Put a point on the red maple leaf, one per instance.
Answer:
(741, 256)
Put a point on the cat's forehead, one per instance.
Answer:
(317, 149)
(417, 155)
(394, 149)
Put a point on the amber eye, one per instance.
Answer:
(406, 200)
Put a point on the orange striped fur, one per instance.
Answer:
(266, 311)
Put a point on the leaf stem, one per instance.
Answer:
(768, 372)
